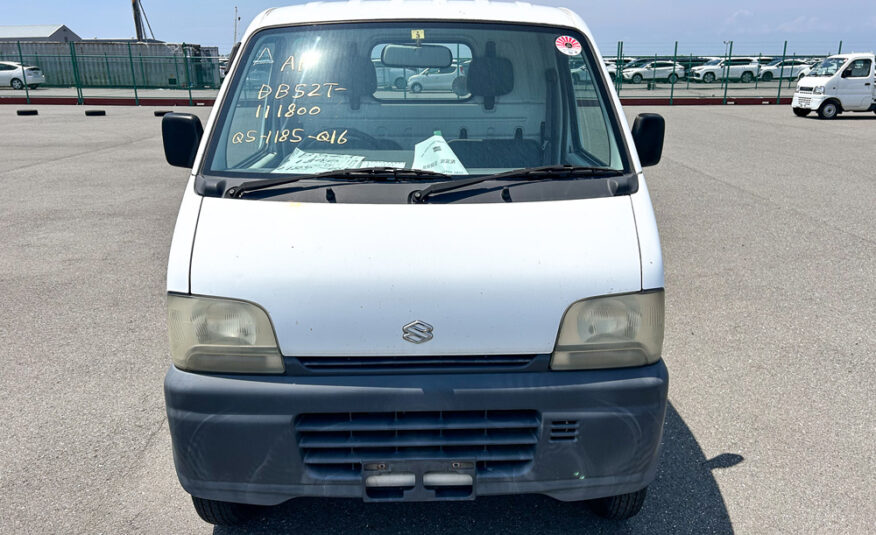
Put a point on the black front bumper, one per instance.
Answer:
(238, 438)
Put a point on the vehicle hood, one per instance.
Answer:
(343, 279)
(814, 81)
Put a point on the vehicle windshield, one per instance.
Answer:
(712, 62)
(828, 67)
(637, 64)
(455, 98)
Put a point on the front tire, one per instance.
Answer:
(416, 88)
(222, 513)
(802, 112)
(620, 507)
(399, 83)
(709, 77)
(17, 84)
(767, 77)
(828, 110)
(637, 79)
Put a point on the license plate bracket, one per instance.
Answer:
(419, 480)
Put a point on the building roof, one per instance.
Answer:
(36, 31)
(358, 10)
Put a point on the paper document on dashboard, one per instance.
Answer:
(317, 162)
(434, 154)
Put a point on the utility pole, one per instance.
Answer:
(236, 20)
(138, 21)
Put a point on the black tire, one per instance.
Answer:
(767, 77)
(709, 77)
(673, 78)
(222, 513)
(416, 87)
(619, 507)
(637, 78)
(16, 84)
(399, 83)
(33, 86)
(828, 110)
(747, 77)
(802, 112)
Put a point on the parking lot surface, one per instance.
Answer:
(767, 222)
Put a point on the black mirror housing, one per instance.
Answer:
(182, 134)
(648, 133)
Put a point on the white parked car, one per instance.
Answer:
(785, 69)
(654, 70)
(435, 79)
(580, 74)
(14, 75)
(742, 69)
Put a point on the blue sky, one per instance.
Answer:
(645, 26)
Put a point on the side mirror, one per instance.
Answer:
(648, 132)
(182, 134)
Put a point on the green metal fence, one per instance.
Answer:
(728, 82)
(80, 67)
(94, 68)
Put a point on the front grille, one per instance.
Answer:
(501, 443)
(804, 102)
(415, 363)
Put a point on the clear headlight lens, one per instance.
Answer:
(611, 332)
(819, 90)
(209, 334)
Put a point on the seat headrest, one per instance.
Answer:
(355, 73)
(358, 75)
(490, 76)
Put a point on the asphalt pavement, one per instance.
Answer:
(767, 222)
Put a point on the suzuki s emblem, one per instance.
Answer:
(417, 332)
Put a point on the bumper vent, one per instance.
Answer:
(417, 363)
(564, 431)
(336, 445)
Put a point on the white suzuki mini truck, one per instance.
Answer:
(387, 297)
(838, 84)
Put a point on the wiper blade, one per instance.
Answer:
(360, 174)
(548, 172)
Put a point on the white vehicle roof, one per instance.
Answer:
(359, 11)
(852, 55)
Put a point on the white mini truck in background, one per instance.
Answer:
(840, 83)
(397, 296)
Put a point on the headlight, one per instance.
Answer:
(611, 332)
(209, 334)
(819, 90)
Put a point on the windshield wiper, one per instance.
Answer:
(360, 174)
(549, 172)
